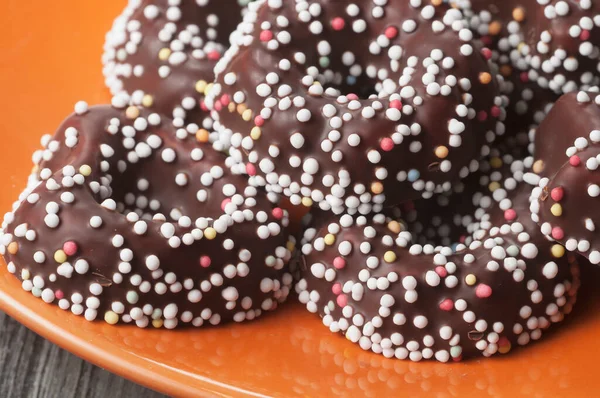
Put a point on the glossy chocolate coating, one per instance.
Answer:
(127, 222)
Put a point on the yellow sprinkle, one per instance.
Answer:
(395, 227)
(377, 188)
(13, 248)
(210, 233)
(504, 349)
(556, 210)
(202, 135)
(255, 133)
(111, 318)
(496, 162)
(538, 166)
(231, 107)
(85, 170)
(157, 323)
(520, 46)
(201, 86)
(25, 274)
(329, 239)
(493, 186)
(60, 256)
(132, 112)
(147, 101)
(389, 257)
(558, 251)
(291, 246)
(247, 115)
(441, 152)
(241, 108)
(208, 88)
(164, 54)
(306, 201)
(470, 279)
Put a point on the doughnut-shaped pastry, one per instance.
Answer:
(368, 282)
(351, 105)
(162, 54)
(123, 221)
(568, 158)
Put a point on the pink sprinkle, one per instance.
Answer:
(70, 248)
(483, 291)
(510, 214)
(495, 111)
(557, 194)
(203, 106)
(387, 144)
(224, 203)
(524, 77)
(446, 305)
(558, 233)
(266, 35)
(214, 55)
(342, 300)
(574, 160)
(277, 213)
(396, 104)
(441, 271)
(338, 23)
(225, 100)
(205, 261)
(482, 116)
(250, 169)
(487, 40)
(339, 262)
(336, 288)
(585, 35)
(487, 53)
(59, 294)
(259, 121)
(352, 96)
(391, 32)
(218, 106)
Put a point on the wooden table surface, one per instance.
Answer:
(33, 367)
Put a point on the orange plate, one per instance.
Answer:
(42, 75)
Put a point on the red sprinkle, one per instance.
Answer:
(391, 32)
(558, 233)
(482, 116)
(483, 291)
(557, 194)
(250, 169)
(487, 40)
(259, 121)
(214, 55)
(574, 160)
(266, 35)
(225, 99)
(441, 271)
(342, 300)
(457, 359)
(585, 35)
(446, 305)
(387, 144)
(336, 288)
(338, 23)
(510, 214)
(339, 262)
(205, 261)
(277, 213)
(495, 111)
(524, 77)
(396, 104)
(70, 248)
(59, 294)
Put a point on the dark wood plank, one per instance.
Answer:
(33, 367)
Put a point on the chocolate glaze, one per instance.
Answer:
(181, 240)
(568, 157)
(168, 70)
(255, 82)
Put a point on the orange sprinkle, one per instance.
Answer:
(202, 135)
(441, 152)
(13, 248)
(485, 78)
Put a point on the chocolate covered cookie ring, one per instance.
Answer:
(123, 221)
(353, 105)
(568, 178)
(162, 54)
(368, 282)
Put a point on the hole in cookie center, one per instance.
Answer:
(335, 84)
